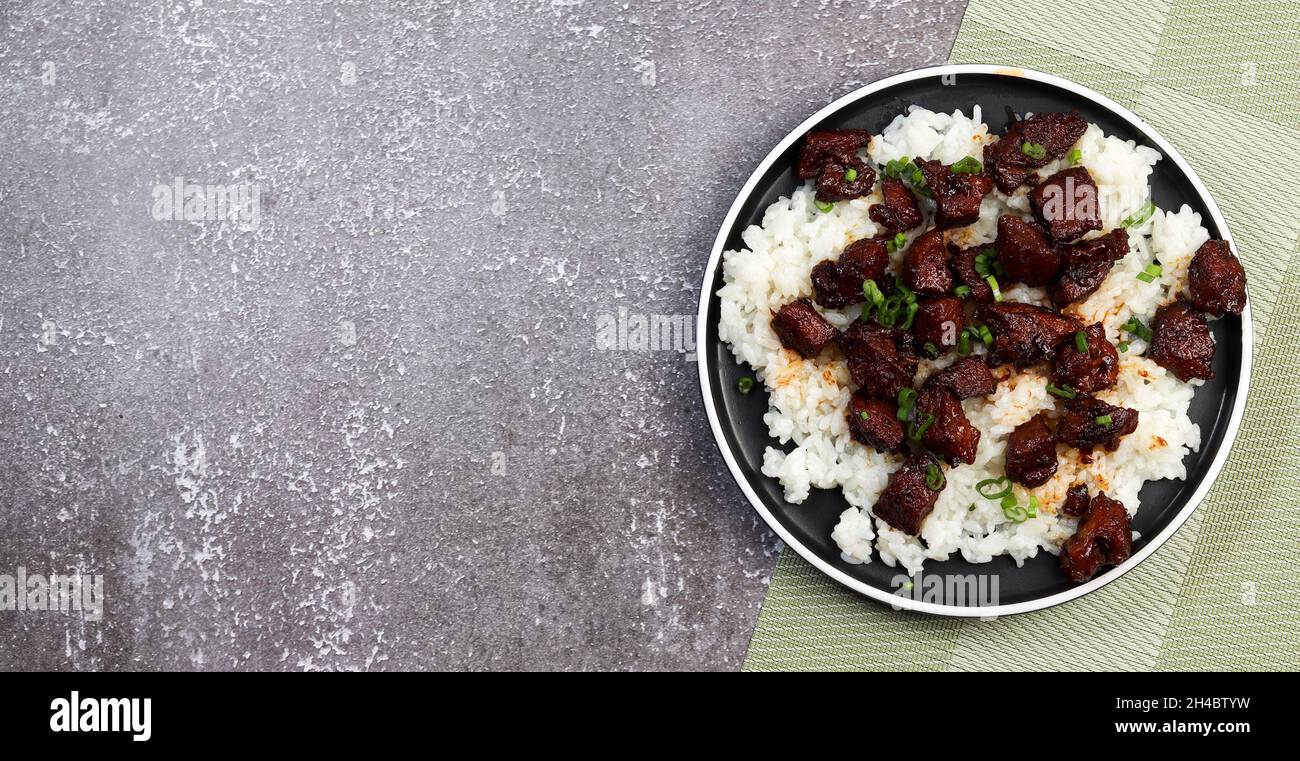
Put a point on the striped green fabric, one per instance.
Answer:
(1221, 80)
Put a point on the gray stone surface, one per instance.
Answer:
(376, 430)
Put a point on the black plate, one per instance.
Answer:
(739, 418)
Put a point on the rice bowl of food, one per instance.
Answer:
(973, 319)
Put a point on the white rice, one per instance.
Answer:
(808, 398)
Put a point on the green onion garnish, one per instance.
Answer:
(971, 509)
(865, 414)
(745, 384)
(1032, 510)
(930, 350)
(986, 335)
(1151, 272)
(916, 432)
(1135, 326)
(968, 165)
(985, 261)
(1065, 392)
(963, 342)
(934, 480)
(1033, 150)
(823, 206)
(1081, 342)
(1139, 216)
(963, 291)
(906, 324)
(1103, 420)
(850, 174)
(897, 242)
(906, 398)
(993, 283)
(1012, 509)
(1074, 156)
(1003, 485)
(872, 292)
(1122, 346)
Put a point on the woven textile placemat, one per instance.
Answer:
(1220, 80)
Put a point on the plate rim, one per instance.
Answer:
(899, 602)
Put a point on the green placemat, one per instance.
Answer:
(1220, 79)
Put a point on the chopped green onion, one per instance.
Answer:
(1081, 342)
(1135, 326)
(887, 315)
(1012, 509)
(850, 174)
(906, 398)
(985, 261)
(823, 207)
(906, 324)
(963, 342)
(993, 283)
(917, 432)
(963, 291)
(1151, 272)
(1104, 420)
(865, 414)
(1032, 510)
(971, 509)
(986, 335)
(745, 384)
(934, 480)
(1033, 150)
(1139, 216)
(1003, 484)
(1074, 156)
(1065, 392)
(907, 293)
(968, 165)
(872, 292)
(896, 243)
(930, 350)
(1122, 346)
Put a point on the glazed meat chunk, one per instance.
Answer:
(925, 265)
(956, 195)
(881, 360)
(1030, 144)
(831, 159)
(907, 498)
(1216, 281)
(1076, 500)
(1031, 452)
(802, 329)
(1024, 333)
(962, 261)
(1104, 537)
(939, 321)
(1089, 422)
(965, 378)
(1024, 252)
(1181, 342)
(1066, 204)
(1085, 265)
(949, 433)
(838, 284)
(899, 211)
(1090, 371)
(874, 422)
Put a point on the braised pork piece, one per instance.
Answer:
(838, 284)
(1031, 452)
(925, 265)
(874, 422)
(1085, 265)
(967, 377)
(1182, 342)
(801, 328)
(938, 322)
(830, 158)
(1104, 537)
(900, 211)
(1065, 204)
(1076, 500)
(882, 361)
(943, 425)
(1091, 370)
(1216, 281)
(1089, 423)
(956, 195)
(908, 499)
(1025, 253)
(1025, 334)
(1030, 144)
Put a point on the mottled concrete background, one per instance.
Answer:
(373, 428)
